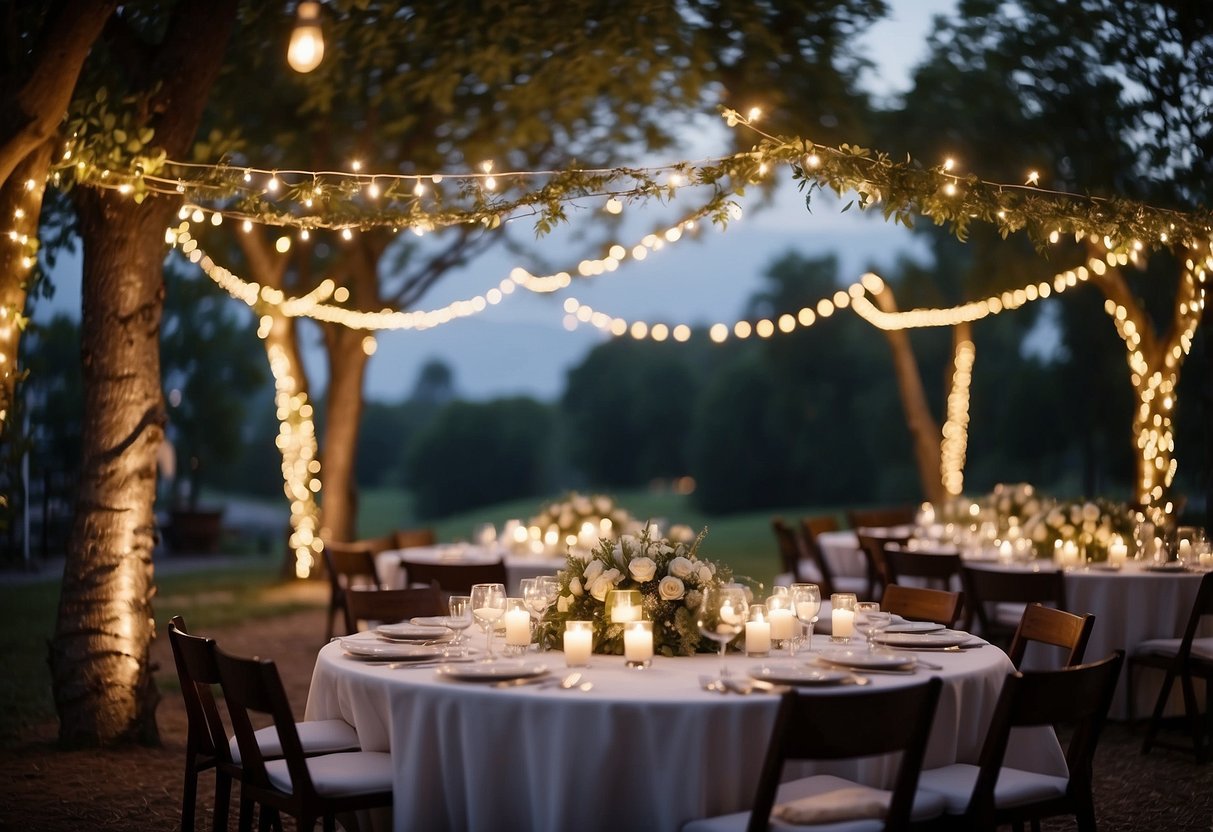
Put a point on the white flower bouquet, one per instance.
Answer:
(1090, 524)
(1013, 504)
(578, 519)
(669, 574)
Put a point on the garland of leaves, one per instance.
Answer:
(340, 200)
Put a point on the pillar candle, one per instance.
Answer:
(842, 623)
(578, 644)
(1118, 550)
(758, 637)
(637, 644)
(781, 623)
(518, 628)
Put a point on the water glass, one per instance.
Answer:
(871, 620)
(488, 605)
(806, 604)
(722, 615)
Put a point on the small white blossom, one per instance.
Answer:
(642, 569)
(562, 603)
(671, 588)
(592, 571)
(575, 586)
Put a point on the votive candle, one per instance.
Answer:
(638, 643)
(1118, 550)
(758, 632)
(782, 621)
(578, 642)
(517, 627)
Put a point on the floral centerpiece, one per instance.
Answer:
(1013, 504)
(1089, 524)
(580, 520)
(669, 574)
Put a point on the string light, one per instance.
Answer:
(306, 49)
(954, 444)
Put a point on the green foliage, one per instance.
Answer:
(475, 454)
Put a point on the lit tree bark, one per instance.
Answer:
(954, 444)
(32, 104)
(924, 430)
(100, 672)
(1155, 359)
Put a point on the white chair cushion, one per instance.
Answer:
(1202, 648)
(318, 736)
(340, 775)
(837, 805)
(1015, 787)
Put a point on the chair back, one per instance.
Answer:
(1058, 628)
(408, 538)
(810, 527)
(872, 547)
(1078, 697)
(390, 605)
(824, 728)
(197, 673)
(995, 586)
(347, 564)
(253, 689)
(921, 604)
(790, 548)
(1201, 606)
(454, 578)
(935, 566)
(870, 518)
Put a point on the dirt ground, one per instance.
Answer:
(43, 789)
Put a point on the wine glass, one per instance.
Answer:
(806, 603)
(547, 590)
(488, 605)
(871, 620)
(459, 619)
(722, 615)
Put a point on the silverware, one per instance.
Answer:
(712, 684)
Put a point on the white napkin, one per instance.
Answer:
(850, 803)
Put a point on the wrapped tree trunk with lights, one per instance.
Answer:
(1155, 359)
(99, 654)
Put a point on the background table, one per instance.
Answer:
(643, 750)
(517, 567)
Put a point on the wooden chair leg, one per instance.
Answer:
(223, 796)
(1130, 699)
(189, 792)
(246, 814)
(1160, 705)
(1192, 713)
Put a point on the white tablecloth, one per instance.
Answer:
(517, 567)
(1130, 606)
(643, 750)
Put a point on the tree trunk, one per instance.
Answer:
(954, 444)
(343, 409)
(31, 112)
(924, 430)
(21, 205)
(101, 678)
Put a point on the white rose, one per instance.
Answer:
(642, 569)
(670, 588)
(562, 603)
(604, 583)
(705, 573)
(681, 533)
(680, 567)
(592, 571)
(575, 586)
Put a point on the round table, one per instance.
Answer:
(644, 749)
(517, 567)
(1130, 605)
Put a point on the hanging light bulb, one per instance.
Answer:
(307, 41)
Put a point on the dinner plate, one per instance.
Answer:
(491, 671)
(941, 638)
(1164, 567)
(1106, 567)
(376, 648)
(429, 620)
(408, 631)
(914, 627)
(801, 675)
(862, 659)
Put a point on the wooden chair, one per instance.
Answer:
(872, 547)
(920, 604)
(348, 565)
(989, 589)
(988, 794)
(391, 605)
(454, 578)
(408, 538)
(307, 788)
(873, 518)
(936, 567)
(1185, 657)
(810, 528)
(790, 549)
(206, 742)
(1058, 628)
(824, 728)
